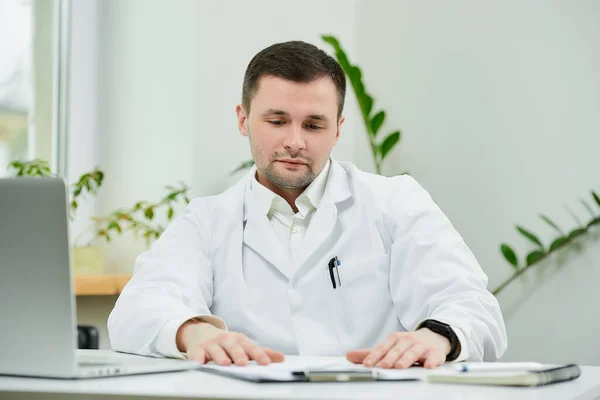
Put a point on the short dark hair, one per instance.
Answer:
(295, 61)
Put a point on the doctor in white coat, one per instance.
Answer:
(307, 255)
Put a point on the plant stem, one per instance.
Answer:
(521, 271)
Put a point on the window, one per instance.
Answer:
(31, 67)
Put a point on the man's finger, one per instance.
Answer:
(198, 354)
(255, 352)
(380, 351)
(412, 355)
(217, 353)
(358, 356)
(235, 351)
(395, 353)
(275, 356)
(434, 359)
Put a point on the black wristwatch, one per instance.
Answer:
(446, 331)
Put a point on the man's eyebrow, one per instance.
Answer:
(272, 111)
(316, 117)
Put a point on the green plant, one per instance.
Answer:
(541, 252)
(89, 182)
(373, 120)
(139, 219)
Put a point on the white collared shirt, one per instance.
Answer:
(288, 226)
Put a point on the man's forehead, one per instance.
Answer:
(279, 96)
(272, 85)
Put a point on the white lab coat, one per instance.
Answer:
(402, 262)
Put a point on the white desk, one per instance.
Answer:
(202, 385)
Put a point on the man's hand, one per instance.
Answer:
(403, 349)
(204, 342)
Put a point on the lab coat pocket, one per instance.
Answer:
(363, 302)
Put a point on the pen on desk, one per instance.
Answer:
(495, 367)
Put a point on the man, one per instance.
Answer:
(307, 255)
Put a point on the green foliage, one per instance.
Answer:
(373, 120)
(138, 218)
(89, 182)
(556, 244)
(33, 168)
(510, 255)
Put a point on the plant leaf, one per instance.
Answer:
(376, 122)
(510, 255)
(576, 232)
(172, 196)
(596, 198)
(530, 236)
(115, 225)
(558, 242)
(112, 225)
(389, 143)
(354, 74)
(243, 166)
(595, 221)
(367, 103)
(551, 223)
(170, 213)
(149, 213)
(534, 256)
(74, 205)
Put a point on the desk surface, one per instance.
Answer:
(196, 384)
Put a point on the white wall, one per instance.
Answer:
(500, 110)
(498, 104)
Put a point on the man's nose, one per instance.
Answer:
(294, 140)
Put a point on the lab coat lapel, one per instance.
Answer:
(260, 236)
(325, 219)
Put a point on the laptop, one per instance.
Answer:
(38, 324)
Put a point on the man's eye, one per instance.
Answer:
(314, 127)
(276, 122)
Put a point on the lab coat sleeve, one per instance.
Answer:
(433, 274)
(172, 283)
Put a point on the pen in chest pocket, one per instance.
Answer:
(334, 265)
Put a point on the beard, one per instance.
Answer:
(289, 180)
(283, 179)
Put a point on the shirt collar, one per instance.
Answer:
(268, 202)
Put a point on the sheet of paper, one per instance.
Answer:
(283, 371)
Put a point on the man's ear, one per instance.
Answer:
(242, 119)
(339, 125)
